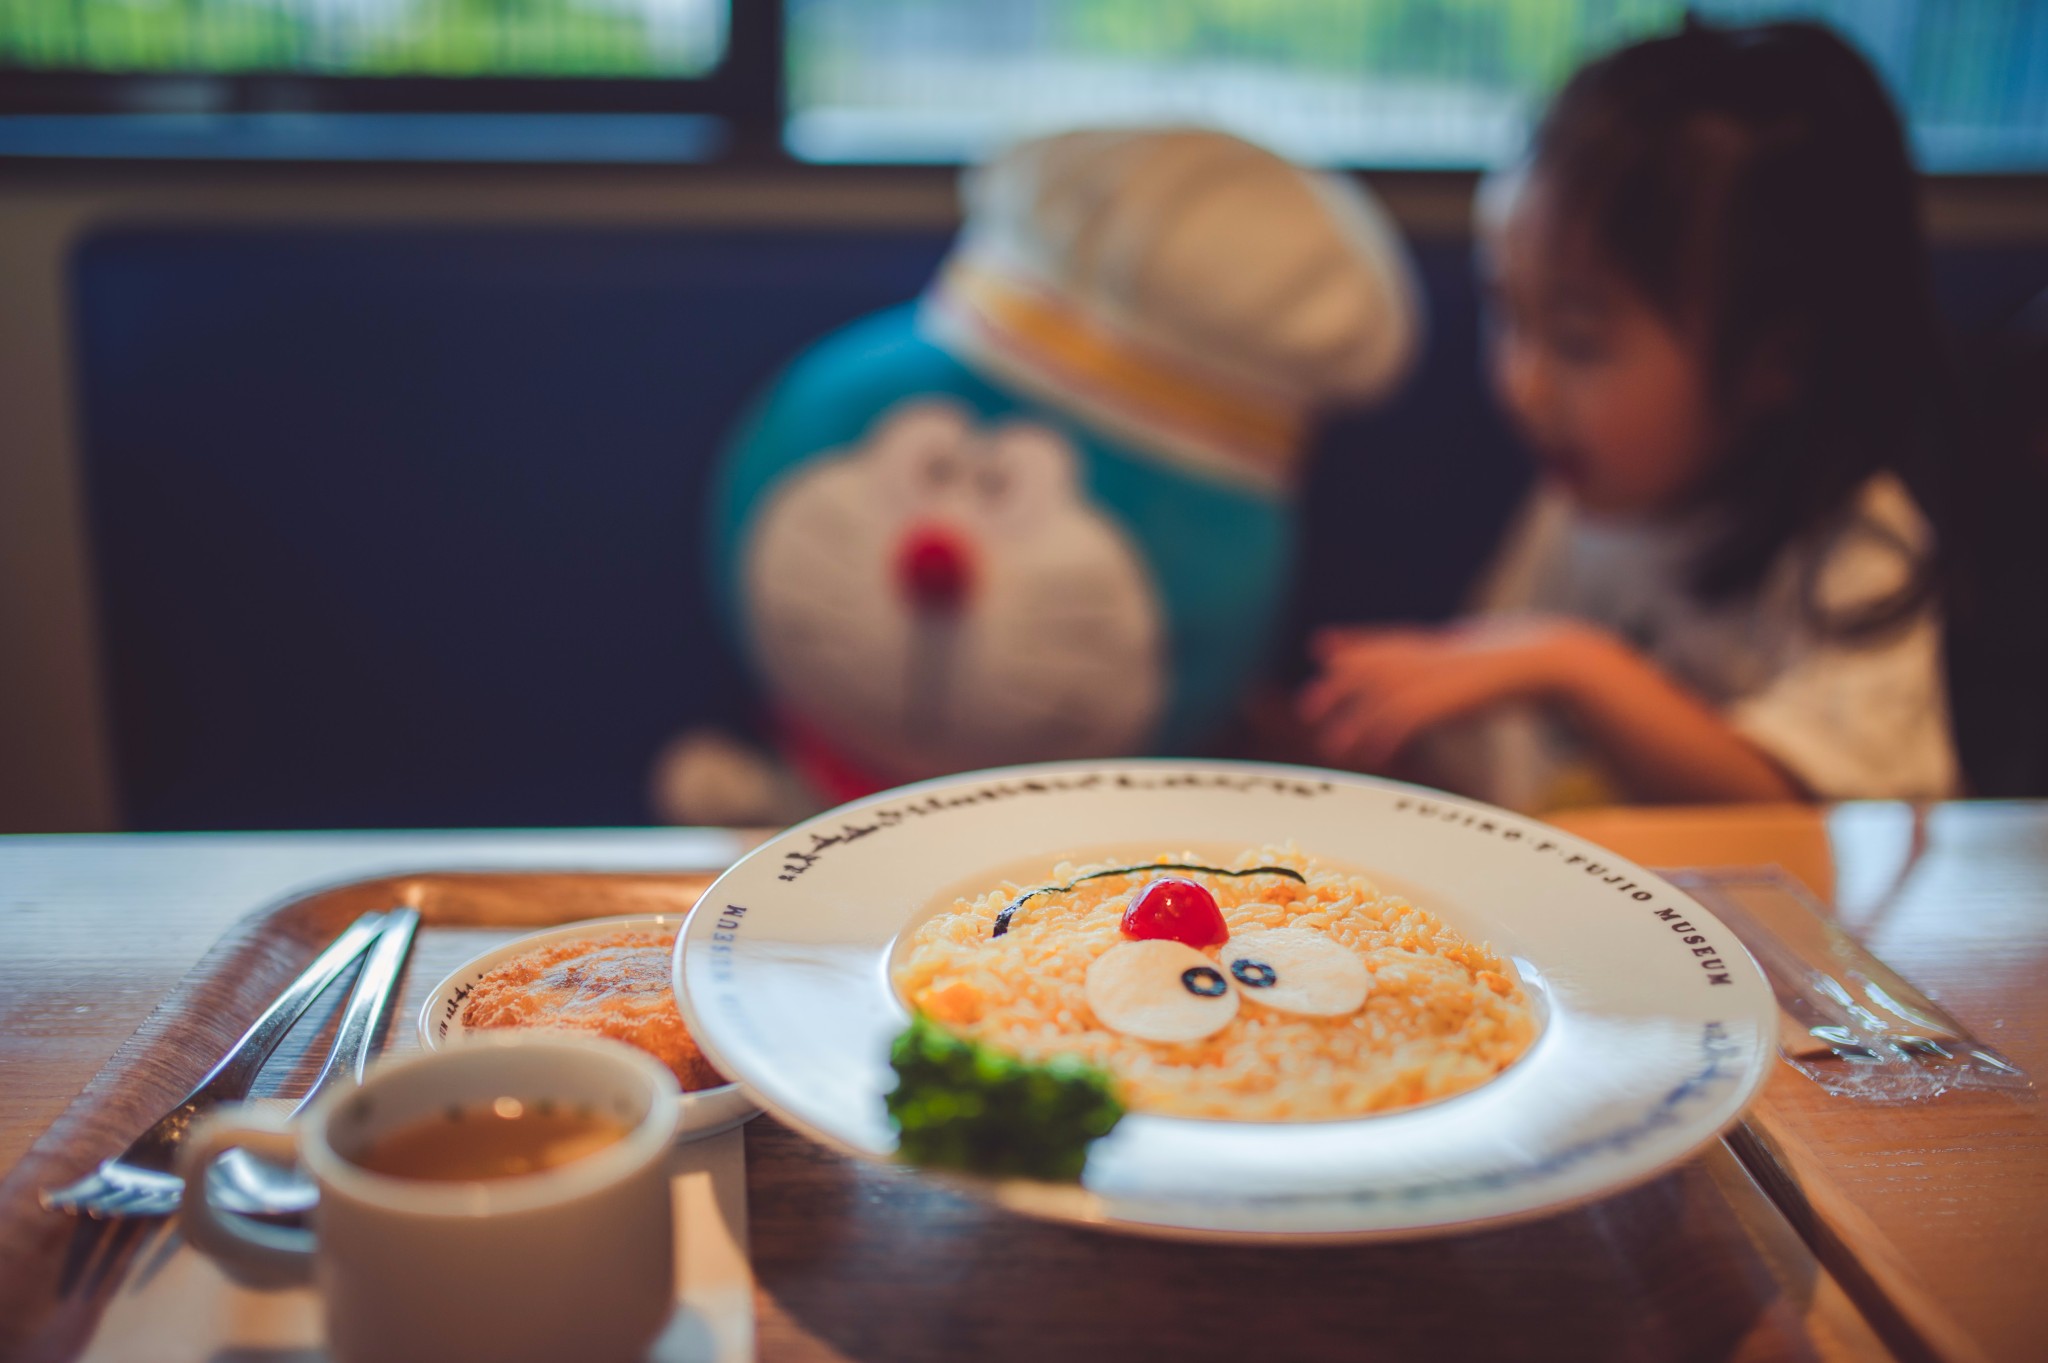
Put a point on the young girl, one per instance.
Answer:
(1711, 322)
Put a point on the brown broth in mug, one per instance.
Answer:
(501, 1139)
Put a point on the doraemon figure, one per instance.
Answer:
(1047, 511)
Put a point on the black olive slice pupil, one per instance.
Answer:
(1254, 974)
(1205, 981)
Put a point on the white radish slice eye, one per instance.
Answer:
(1297, 971)
(1160, 990)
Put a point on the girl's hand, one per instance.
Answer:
(1382, 688)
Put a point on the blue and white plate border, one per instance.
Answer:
(1659, 1028)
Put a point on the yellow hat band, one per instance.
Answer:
(1207, 417)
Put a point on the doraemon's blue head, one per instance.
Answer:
(941, 573)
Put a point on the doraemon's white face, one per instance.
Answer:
(942, 597)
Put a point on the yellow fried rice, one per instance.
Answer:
(1444, 1015)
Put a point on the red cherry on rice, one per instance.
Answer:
(1176, 909)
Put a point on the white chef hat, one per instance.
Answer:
(1198, 294)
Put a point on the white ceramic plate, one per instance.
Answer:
(1657, 1028)
(706, 1112)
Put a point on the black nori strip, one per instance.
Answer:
(1205, 981)
(1010, 910)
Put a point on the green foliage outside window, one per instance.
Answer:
(369, 37)
(1516, 42)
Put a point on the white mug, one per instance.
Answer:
(576, 1261)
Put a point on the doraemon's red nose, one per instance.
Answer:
(934, 568)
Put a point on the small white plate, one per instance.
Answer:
(1657, 1027)
(706, 1112)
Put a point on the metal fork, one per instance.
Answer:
(138, 1181)
(245, 1183)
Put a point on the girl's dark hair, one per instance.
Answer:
(1754, 184)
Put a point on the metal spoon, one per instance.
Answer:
(241, 1182)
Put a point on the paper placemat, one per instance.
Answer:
(177, 1306)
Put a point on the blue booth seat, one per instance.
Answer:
(401, 527)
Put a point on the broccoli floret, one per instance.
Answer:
(959, 1104)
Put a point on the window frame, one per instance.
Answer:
(746, 93)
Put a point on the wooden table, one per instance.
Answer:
(1948, 1201)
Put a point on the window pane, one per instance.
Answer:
(1445, 83)
(643, 38)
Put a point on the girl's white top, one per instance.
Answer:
(1848, 719)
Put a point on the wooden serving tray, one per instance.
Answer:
(856, 1260)
(59, 1270)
